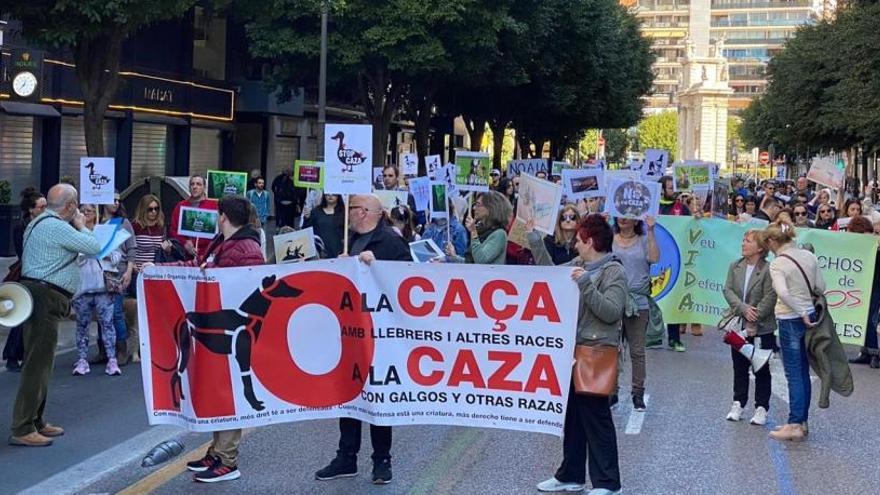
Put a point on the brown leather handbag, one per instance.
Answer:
(595, 370)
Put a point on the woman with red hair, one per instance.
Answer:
(589, 434)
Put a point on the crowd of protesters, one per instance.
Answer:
(611, 260)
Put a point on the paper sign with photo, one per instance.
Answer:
(97, 180)
(517, 234)
(392, 199)
(633, 198)
(420, 188)
(223, 183)
(198, 222)
(583, 183)
(409, 164)
(472, 171)
(377, 178)
(432, 164)
(656, 162)
(308, 174)
(692, 176)
(425, 251)
(828, 172)
(538, 201)
(439, 205)
(446, 174)
(720, 194)
(558, 167)
(348, 161)
(526, 167)
(295, 246)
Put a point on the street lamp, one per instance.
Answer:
(322, 78)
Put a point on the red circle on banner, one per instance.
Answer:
(272, 361)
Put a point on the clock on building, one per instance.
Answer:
(24, 84)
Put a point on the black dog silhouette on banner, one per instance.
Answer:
(224, 330)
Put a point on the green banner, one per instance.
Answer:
(695, 255)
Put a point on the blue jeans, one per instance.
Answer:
(797, 368)
(119, 318)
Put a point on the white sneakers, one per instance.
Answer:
(554, 485)
(760, 417)
(736, 412)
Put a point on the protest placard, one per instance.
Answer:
(308, 174)
(827, 171)
(97, 180)
(425, 250)
(692, 176)
(656, 162)
(530, 166)
(223, 183)
(439, 205)
(720, 195)
(632, 198)
(538, 201)
(583, 183)
(295, 246)
(392, 199)
(472, 171)
(198, 222)
(420, 188)
(348, 163)
(432, 164)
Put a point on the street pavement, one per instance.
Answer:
(681, 445)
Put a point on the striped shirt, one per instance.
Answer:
(149, 239)
(48, 252)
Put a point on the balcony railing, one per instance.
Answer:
(756, 41)
(760, 23)
(761, 5)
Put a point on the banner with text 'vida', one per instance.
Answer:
(695, 255)
(391, 344)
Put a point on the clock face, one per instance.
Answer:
(24, 84)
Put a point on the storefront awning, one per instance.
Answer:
(35, 109)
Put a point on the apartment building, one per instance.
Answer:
(754, 30)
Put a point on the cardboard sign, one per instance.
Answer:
(655, 164)
(827, 172)
(538, 201)
(420, 188)
(433, 164)
(392, 199)
(439, 203)
(97, 180)
(526, 167)
(409, 164)
(720, 194)
(295, 246)
(472, 171)
(425, 251)
(692, 176)
(583, 183)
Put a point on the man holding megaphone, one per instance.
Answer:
(52, 242)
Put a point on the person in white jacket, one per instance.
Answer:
(795, 275)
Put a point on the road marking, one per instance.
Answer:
(784, 479)
(93, 469)
(636, 419)
(167, 473)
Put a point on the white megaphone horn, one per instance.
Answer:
(758, 357)
(16, 304)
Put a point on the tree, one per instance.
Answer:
(616, 145)
(388, 50)
(93, 30)
(659, 131)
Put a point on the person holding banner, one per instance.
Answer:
(671, 204)
(197, 199)
(236, 244)
(443, 230)
(328, 222)
(561, 244)
(869, 353)
(588, 434)
(636, 246)
(488, 231)
(372, 239)
(795, 275)
(749, 292)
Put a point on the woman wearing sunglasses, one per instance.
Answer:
(560, 246)
(801, 216)
(826, 217)
(739, 205)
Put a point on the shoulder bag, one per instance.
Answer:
(595, 370)
(817, 299)
(14, 274)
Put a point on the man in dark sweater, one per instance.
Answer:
(371, 239)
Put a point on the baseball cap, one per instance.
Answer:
(495, 172)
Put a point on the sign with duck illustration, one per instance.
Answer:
(348, 166)
(97, 180)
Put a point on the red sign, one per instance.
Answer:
(764, 158)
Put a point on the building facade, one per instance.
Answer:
(752, 30)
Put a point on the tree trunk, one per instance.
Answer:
(97, 71)
(476, 128)
(524, 145)
(423, 131)
(381, 97)
(498, 127)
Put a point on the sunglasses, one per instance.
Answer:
(800, 213)
(824, 211)
(153, 208)
(740, 200)
(569, 218)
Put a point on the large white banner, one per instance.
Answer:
(392, 344)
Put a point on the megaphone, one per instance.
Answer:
(16, 304)
(758, 357)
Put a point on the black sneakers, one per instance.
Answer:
(639, 403)
(339, 467)
(203, 464)
(382, 472)
(218, 472)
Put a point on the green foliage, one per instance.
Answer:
(616, 145)
(820, 97)
(659, 131)
(5, 192)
